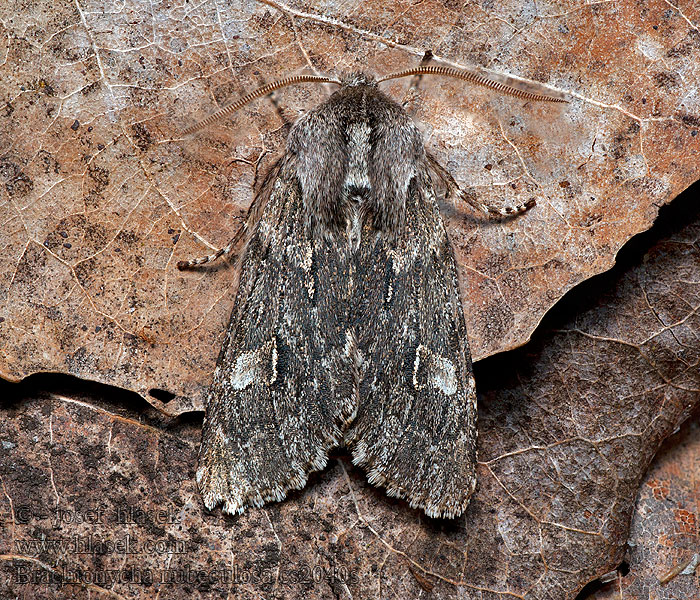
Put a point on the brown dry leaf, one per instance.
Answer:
(567, 427)
(100, 195)
(664, 541)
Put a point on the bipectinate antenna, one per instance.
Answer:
(259, 93)
(508, 85)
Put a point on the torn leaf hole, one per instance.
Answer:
(163, 396)
(597, 584)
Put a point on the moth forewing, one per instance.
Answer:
(347, 326)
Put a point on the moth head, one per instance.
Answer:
(357, 78)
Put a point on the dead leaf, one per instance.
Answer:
(664, 538)
(567, 427)
(100, 195)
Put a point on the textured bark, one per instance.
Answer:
(567, 426)
(100, 195)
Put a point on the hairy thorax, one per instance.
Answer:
(356, 156)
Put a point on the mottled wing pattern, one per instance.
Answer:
(415, 429)
(283, 389)
(347, 325)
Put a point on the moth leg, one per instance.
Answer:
(448, 182)
(226, 250)
(252, 217)
(281, 114)
(410, 99)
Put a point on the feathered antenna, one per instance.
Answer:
(510, 88)
(261, 91)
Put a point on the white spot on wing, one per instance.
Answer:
(440, 372)
(273, 376)
(416, 366)
(243, 374)
(444, 376)
(250, 366)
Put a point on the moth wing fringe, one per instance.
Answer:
(238, 503)
(448, 508)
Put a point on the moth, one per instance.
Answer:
(347, 328)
